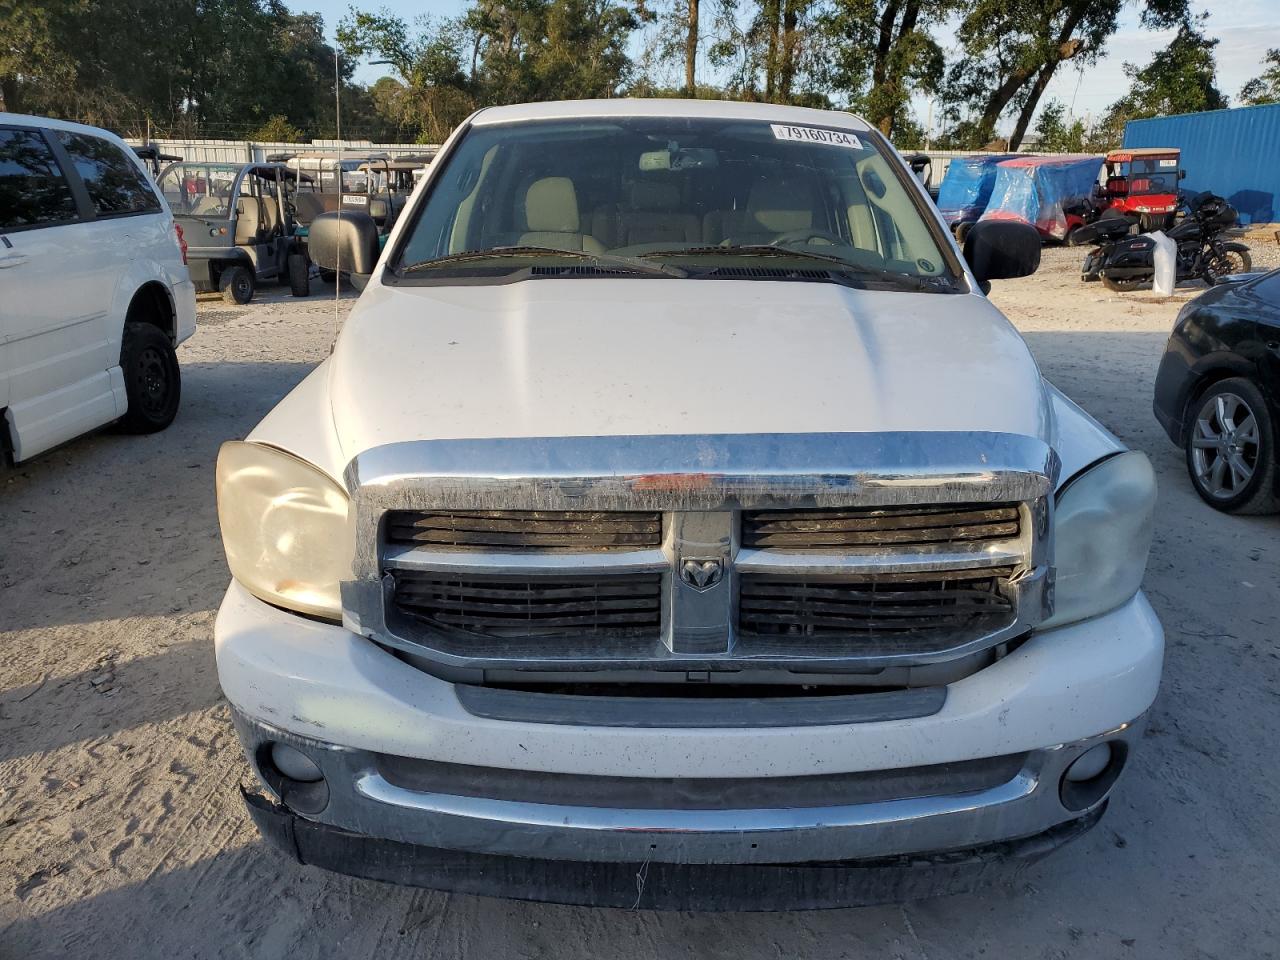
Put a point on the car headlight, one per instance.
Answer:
(1102, 535)
(284, 528)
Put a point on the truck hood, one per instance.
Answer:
(592, 357)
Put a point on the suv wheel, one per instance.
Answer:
(1231, 449)
(236, 284)
(152, 379)
(299, 275)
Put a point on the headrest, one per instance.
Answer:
(778, 206)
(654, 196)
(551, 206)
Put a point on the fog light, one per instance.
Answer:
(1087, 766)
(296, 765)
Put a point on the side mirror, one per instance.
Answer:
(378, 210)
(345, 241)
(1001, 250)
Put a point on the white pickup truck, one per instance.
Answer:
(677, 524)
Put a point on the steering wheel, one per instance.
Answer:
(805, 235)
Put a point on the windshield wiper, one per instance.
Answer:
(493, 253)
(845, 266)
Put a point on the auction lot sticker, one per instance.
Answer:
(783, 131)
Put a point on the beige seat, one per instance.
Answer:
(248, 219)
(654, 216)
(270, 215)
(774, 207)
(551, 217)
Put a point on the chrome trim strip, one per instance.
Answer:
(751, 560)
(795, 821)
(400, 557)
(692, 473)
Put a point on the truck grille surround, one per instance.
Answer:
(810, 553)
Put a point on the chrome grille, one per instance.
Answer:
(525, 529)
(793, 553)
(970, 526)
(883, 605)
(530, 607)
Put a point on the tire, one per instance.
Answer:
(152, 378)
(1123, 285)
(236, 284)
(1233, 470)
(299, 275)
(1226, 263)
(1071, 239)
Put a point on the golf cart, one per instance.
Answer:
(150, 155)
(239, 222)
(1142, 182)
(376, 185)
(1043, 191)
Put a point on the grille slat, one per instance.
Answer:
(968, 526)
(883, 604)
(513, 530)
(499, 607)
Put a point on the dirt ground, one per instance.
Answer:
(121, 832)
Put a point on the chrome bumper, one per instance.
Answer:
(357, 798)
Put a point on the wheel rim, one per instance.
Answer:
(242, 287)
(1225, 446)
(152, 378)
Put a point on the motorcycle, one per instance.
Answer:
(1124, 262)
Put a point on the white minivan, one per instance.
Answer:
(94, 290)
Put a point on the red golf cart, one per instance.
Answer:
(1142, 182)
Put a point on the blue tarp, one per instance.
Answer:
(1233, 153)
(1034, 189)
(967, 187)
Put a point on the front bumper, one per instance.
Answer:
(657, 886)
(407, 766)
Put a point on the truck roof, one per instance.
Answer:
(662, 107)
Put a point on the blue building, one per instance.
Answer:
(1233, 153)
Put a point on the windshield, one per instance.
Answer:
(1151, 175)
(694, 193)
(199, 189)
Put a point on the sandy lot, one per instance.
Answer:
(121, 832)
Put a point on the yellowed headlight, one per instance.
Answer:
(284, 528)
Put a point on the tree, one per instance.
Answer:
(882, 52)
(1181, 78)
(278, 130)
(1013, 48)
(1055, 134)
(1266, 87)
(498, 51)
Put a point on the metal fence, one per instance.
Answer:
(254, 151)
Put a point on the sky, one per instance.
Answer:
(1245, 30)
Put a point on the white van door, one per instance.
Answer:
(67, 243)
(45, 305)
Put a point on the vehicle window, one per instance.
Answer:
(199, 189)
(675, 190)
(113, 181)
(33, 190)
